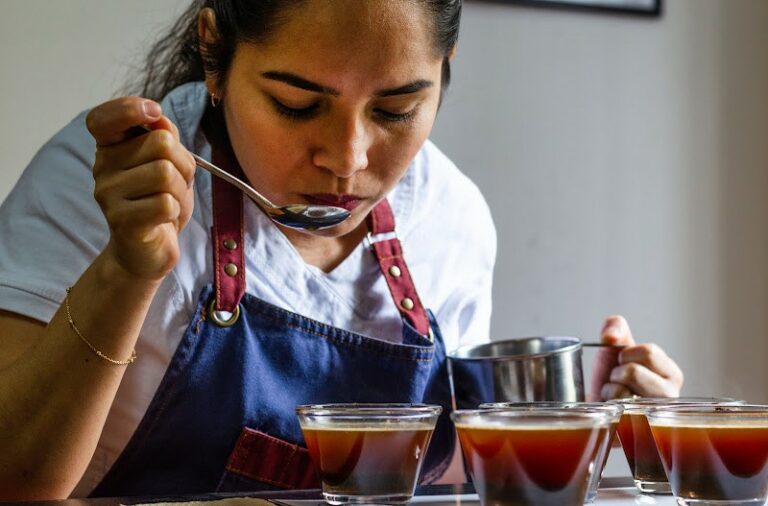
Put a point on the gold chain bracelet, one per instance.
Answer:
(88, 343)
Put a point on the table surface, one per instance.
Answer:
(613, 492)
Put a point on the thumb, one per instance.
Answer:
(616, 331)
(110, 122)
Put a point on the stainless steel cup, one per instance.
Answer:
(515, 370)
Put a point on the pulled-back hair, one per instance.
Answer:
(176, 59)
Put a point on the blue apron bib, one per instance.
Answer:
(223, 416)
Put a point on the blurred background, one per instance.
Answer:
(624, 158)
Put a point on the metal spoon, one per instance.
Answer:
(298, 216)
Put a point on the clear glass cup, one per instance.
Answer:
(638, 443)
(368, 453)
(714, 455)
(531, 457)
(604, 449)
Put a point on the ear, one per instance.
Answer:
(452, 52)
(208, 35)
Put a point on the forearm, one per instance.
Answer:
(54, 399)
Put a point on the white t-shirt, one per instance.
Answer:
(52, 229)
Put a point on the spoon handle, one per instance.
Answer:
(244, 187)
(226, 176)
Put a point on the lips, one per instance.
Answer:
(347, 202)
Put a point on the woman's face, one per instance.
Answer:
(336, 104)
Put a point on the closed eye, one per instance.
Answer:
(296, 113)
(395, 117)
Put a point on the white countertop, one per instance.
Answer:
(626, 496)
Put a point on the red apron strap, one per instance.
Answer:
(389, 253)
(227, 234)
(261, 457)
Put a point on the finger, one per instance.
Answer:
(164, 123)
(614, 391)
(654, 358)
(135, 219)
(159, 176)
(642, 381)
(616, 331)
(152, 146)
(187, 206)
(110, 122)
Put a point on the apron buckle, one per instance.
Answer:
(220, 318)
(371, 239)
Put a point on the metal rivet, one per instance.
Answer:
(230, 269)
(407, 303)
(230, 244)
(394, 271)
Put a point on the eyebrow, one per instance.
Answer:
(413, 87)
(299, 82)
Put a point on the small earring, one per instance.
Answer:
(215, 101)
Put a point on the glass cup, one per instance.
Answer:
(368, 453)
(714, 454)
(525, 457)
(604, 449)
(638, 443)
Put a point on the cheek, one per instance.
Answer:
(397, 153)
(266, 152)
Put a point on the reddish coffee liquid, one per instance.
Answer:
(368, 461)
(519, 466)
(715, 463)
(640, 448)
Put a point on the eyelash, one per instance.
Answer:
(294, 114)
(305, 113)
(392, 117)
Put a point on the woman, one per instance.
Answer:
(131, 381)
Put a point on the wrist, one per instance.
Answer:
(111, 272)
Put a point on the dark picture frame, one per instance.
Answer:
(651, 8)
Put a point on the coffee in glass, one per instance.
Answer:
(604, 448)
(523, 457)
(638, 443)
(714, 454)
(368, 453)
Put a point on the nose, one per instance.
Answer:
(343, 148)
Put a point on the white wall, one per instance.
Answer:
(58, 58)
(625, 159)
(626, 163)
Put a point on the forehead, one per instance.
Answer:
(351, 36)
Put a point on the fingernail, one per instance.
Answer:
(612, 331)
(193, 164)
(152, 110)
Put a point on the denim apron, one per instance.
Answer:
(223, 416)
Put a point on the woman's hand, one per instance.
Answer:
(143, 184)
(643, 369)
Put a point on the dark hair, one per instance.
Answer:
(175, 58)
